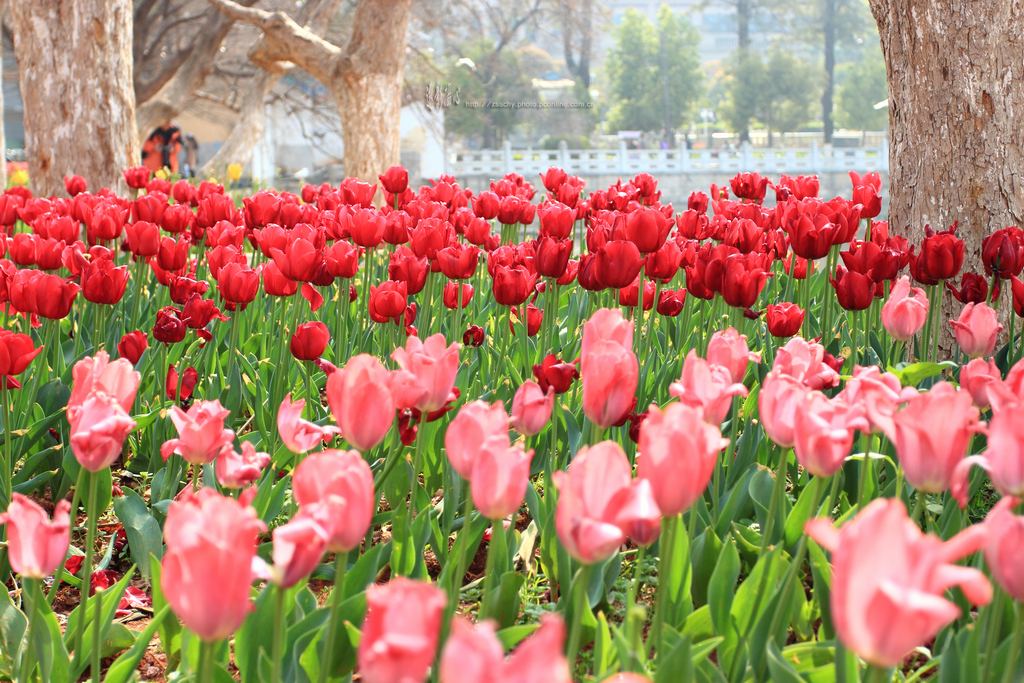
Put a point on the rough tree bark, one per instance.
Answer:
(3, 133)
(364, 78)
(247, 130)
(75, 71)
(956, 103)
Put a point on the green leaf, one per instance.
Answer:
(254, 637)
(12, 628)
(100, 628)
(124, 667)
(506, 603)
(513, 635)
(677, 664)
(142, 529)
(915, 373)
(51, 655)
(723, 586)
(781, 670)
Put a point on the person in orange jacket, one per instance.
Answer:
(162, 148)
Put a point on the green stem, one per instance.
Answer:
(991, 632)
(90, 542)
(496, 551)
(670, 527)
(28, 661)
(97, 637)
(579, 596)
(277, 646)
(1015, 644)
(635, 614)
(337, 600)
(877, 674)
(206, 663)
(918, 507)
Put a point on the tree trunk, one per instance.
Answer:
(956, 144)
(247, 131)
(743, 10)
(3, 133)
(829, 31)
(364, 78)
(75, 71)
(369, 92)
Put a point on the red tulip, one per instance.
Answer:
(670, 302)
(784, 320)
(302, 253)
(237, 285)
(1002, 252)
(74, 184)
(210, 536)
(473, 336)
(866, 190)
(169, 327)
(512, 285)
(16, 352)
(310, 340)
(618, 263)
(889, 579)
(406, 267)
(556, 220)
(188, 382)
(132, 346)
(36, 545)
(143, 238)
(366, 227)
(395, 180)
(941, 257)
(457, 295)
(552, 256)
(136, 177)
(749, 186)
(854, 291)
(387, 302)
(647, 228)
(973, 289)
(103, 283)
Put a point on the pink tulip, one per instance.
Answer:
(931, 436)
(434, 364)
(584, 517)
(977, 329)
(780, 397)
(361, 401)
(706, 387)
(636, 512)
(36, 546)
(824, 430)
(101, 426)
(99, 374)
(1009, 393)
(341, 482)
(298, 547)
(476, 426)
(297, 434)
(728, 348)
(977, 377)
(804, 361)
(473, 654)
(1003, 459)
(400, 632)
(606, 324)
(678, 451)
(531, 408)
(608, 367)
(207, 570)
(905, 312)
(236, 470)
(889, 580)
(201, 432)
(877, 394)
(499, 480)
(1004, 551)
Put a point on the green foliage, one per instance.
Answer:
(479, 76)
(654, 73)
(778, 91)
(861, 86)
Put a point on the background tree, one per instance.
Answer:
(364, 78)
(654, 73)
(786, 92)
(861, 85)
(955, 106)
(75, 72)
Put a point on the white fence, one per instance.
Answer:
(816, 159)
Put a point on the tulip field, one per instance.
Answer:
(541, 433)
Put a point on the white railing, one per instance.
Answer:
(627, 162)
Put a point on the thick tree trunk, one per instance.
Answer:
(3, 133)
(75, 70)
(364, 78)
(370, 94)
(955, 109)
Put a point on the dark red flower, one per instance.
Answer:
(973, 289)
(1002, 252)
(855, 291)
(512, 285)
(169, 327)
(310, 340)
(473, 336)
(670, 302)
(103, 283)
(556, 374)
(941, 256)
(552, 257)
(784, 319)
(388, 301)
(136, 177)
(395, 180)
(132, 346)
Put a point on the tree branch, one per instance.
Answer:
(286, 41)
